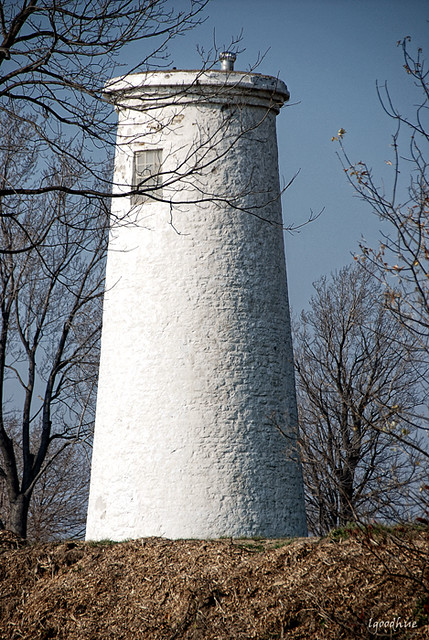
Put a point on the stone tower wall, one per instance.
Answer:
(196, 359)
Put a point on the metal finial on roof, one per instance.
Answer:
(227, 59)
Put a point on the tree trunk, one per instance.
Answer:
(347, 512)
(18, 515)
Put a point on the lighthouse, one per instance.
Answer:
(196, 389)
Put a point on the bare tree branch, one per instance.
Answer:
(358, 387)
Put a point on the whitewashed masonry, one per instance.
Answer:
(196, 356)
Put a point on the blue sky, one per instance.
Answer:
(330, 54)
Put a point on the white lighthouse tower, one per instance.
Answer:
(196, 358)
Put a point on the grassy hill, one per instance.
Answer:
(361, 584)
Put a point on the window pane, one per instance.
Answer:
(147, 165)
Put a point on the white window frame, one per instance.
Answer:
(146, 175)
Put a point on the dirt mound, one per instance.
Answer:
(366, 585)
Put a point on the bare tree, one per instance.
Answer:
(356, 381)
(401, 202)
(58, 504)
(50, 304)
(58, 507)
(55, 58)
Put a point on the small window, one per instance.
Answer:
(146, 170)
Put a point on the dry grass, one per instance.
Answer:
(158, 589)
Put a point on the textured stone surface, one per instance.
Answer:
(196, 356)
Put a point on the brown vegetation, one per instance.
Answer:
(334, 587)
